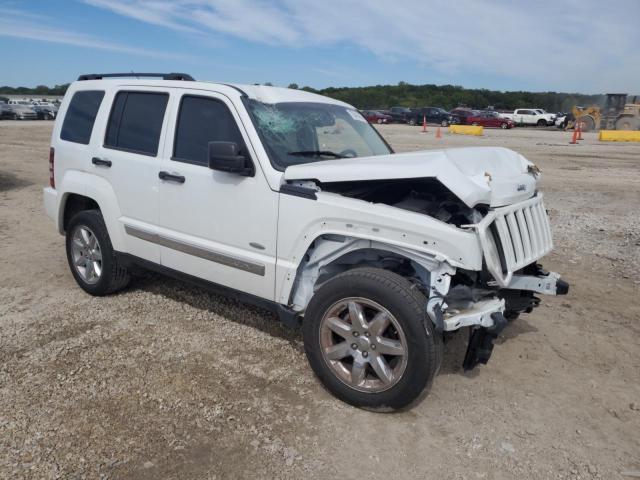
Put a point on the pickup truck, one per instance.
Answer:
(530, 116)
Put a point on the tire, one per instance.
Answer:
(444, 123)
(542, 123)
(110, 276)
(475, 124)
(412, 121)
(627, 122)
(404, 305)
(504, 126)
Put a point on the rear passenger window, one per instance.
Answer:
(200, 121)
(81, 115)
(136, 122)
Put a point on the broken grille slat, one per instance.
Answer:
(516, 239)
(505, 240)
(525, 234)
(535, 242)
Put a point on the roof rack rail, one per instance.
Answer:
(164, 76)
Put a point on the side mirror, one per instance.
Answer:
(225, 156)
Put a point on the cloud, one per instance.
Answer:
(577, 44)
(18, 24)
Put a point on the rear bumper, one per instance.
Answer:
(51, 204)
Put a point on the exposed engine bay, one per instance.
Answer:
(421, 195)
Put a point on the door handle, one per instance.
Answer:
(169, 177)
(102, 162)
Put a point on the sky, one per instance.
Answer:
(586, 46)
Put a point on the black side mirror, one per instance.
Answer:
(226, 157)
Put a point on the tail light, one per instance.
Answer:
(52, 180)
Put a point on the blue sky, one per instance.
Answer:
(585, 46)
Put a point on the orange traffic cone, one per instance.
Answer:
(580, 131)
(424, 124)
(438, 134)
(574, 138)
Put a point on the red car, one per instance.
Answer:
(374, 116)
(489, 119)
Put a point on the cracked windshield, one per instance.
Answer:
(301, 132)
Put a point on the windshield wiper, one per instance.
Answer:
(316, 153)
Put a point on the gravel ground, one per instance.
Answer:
(165, 380)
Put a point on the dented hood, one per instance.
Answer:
(494, 176)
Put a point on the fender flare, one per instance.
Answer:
(298, 285)
(99, 190)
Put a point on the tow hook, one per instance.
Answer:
(481, 342)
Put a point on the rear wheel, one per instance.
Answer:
(504, 126)
(369, 341)
(444, 123)
(91, 256)
(475, 124)
(628, 123)
(412, 121)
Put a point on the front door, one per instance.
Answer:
(215, 225)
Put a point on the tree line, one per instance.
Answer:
(407, 95)
(451, 96)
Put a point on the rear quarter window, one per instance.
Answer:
(80, 116)
(135, 122)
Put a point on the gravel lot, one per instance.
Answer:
(168, 381)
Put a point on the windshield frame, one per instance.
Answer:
(265, 143)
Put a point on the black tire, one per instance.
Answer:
(542, 123)
(412, 121)
(444, 123)
(504, 126)
(475, 124)
(407, 304)
(114, 276)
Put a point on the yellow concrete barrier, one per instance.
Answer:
(466, 129)
(619, 136)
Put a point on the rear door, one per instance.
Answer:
(129, 159)
(215, 225)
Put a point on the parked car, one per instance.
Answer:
(375, 116)
(19, 111)
(45, 112)
(400, 114)
(460, 115)
(530, 116)
(431, 114)
(209, 182)
(489, 119)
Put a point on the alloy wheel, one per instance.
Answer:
(86, 254)
(363, 344)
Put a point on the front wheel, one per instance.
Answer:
(444, 123)
(369, 341)
(91, 257)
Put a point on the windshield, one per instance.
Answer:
(304, 132)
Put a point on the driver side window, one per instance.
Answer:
(202, 120)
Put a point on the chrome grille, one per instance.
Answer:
(515, 236)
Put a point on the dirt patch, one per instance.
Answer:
(169, 381)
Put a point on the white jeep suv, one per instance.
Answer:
(292, 201)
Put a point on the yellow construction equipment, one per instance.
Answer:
(616, 114)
